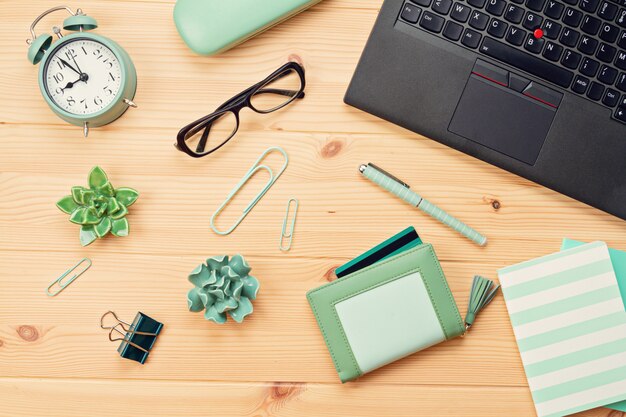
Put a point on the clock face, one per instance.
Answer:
(83, 76)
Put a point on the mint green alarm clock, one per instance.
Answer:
(86, 79)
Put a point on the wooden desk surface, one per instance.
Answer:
(56, 361)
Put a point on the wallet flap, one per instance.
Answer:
(386, 311)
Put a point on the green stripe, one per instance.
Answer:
(558, 279)
(563, 306)
(580, 384)
(549, 258)
(569, 332)
(589, 406)
(575, 358)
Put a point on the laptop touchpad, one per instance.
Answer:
(502, 119)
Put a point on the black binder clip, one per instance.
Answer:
(137, 338)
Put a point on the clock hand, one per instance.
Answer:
(76, 63)
(64, 62)
(70, 84)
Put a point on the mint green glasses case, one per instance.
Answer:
(385, 312)
(210, 27)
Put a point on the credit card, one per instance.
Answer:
(406, 239)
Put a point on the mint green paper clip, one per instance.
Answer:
(285, 245)
(60, 283)
(253, 170)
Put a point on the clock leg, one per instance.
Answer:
(85, 129)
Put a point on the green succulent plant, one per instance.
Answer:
(223, 286)
(99, 209)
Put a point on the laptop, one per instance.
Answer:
(536, 87)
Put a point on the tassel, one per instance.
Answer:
(481, 294)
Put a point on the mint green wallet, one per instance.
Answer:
(210, 27)
(390, 310)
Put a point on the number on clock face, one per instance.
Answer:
(83, 76)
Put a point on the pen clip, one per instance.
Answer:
(393, 177)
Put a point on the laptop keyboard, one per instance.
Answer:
(579, 45)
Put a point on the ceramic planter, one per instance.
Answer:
(222, 286)
(99, 209)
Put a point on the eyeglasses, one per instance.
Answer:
(209, 133)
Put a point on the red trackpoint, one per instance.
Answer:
(538, 33)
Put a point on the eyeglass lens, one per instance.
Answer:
(213, 134)
(277, 92)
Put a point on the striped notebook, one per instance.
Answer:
(570, 325)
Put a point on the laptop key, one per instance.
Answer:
(532, 21)
(553, 51)
(533, 44)
(572, 17)
(590, 25)
(607, 75)
(622, 40)
(424, 3)
(514, 13)
(589, 5)
(477, 3)
(410, 13)
(606, 53)
(620, 61)
(515, 36)
(587, 45)
(471, 38)
(621, 82)
(607, 11)
(551, 29)
(431, 22)
(569, 37)
(621, 18)
(442, 6)
(554, 9)
(479, 20)
(609, 33)
(595, 91)
(495, 7)
(611, 98)
(536, 5)
(453, 31)
(460, 12)
(571, 59)
(620, 114)
(497, 28)
(526, 62)
(580, 85)
(589, 67)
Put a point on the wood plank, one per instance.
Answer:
(180, 194)
(50, 397)
(60, 337)
(57, 397)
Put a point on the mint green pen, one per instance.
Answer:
(402, 191)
